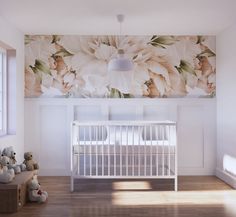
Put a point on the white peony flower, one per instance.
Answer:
(50, 91)
(40, 48)
(184, 49)
(32, 84)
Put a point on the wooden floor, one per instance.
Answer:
(198, 196)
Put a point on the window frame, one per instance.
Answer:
(3, 92)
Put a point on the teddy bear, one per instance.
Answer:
(36, 194)
(6, 175)
(29, 162)
(9, 152)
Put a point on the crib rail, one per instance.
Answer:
(118, 149)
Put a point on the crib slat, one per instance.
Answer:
(151, 128)
(145, 154)
(115, 152)
(133, 150)
(157, 139)
(139, 132)
(102, 151)
(120, 151)
(78, 143)
(163, 146)
(109, 143)
(84, 153)
(126, 150)
(90, 150)
(169, 149)
(97, 150)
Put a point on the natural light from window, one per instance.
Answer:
(229, 164)
(144, 198)
(3, 94)
(135, 185)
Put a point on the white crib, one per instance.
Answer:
(123, 149)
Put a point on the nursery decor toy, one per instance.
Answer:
(29, 162)
(6, 175)
(9, 152)
(35, 192)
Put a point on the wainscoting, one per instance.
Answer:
(47, 128)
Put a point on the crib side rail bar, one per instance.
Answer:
(122, 123)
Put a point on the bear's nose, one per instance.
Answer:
(7, 162)
(14, 153)
(31, 156)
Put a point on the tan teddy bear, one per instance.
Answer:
(29, 162)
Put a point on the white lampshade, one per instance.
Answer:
(120, 73)
(120, 63)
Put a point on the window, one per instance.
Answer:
(3, 93)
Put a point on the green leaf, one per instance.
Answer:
(165, 40)
(134, 57)
(28, 39)
(213, 94)
(157, 45)
(63, 53)
(162, 41)
(153, 37)
(206, 53)
(127, 95)
(37, 72)
(106, 43)
(55, 38)
(115, 93)
(186, 66)
(200, 39)
(179, 69)
(33, 69)
(41, 66)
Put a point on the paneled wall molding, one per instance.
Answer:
(47, 127)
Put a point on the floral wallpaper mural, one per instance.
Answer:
(76, 66)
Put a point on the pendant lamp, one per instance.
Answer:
(120, 68)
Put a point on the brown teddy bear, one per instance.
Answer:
(29, 162)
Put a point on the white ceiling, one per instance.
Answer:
(98, 16)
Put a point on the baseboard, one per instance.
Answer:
(194, 171)
(54, 172)
(226, 177)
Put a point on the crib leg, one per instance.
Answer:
(72, 183)
(176, 183)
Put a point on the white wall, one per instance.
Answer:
(14, 39)
(47, 128)
(226, 95)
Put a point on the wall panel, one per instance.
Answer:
(48, 128)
